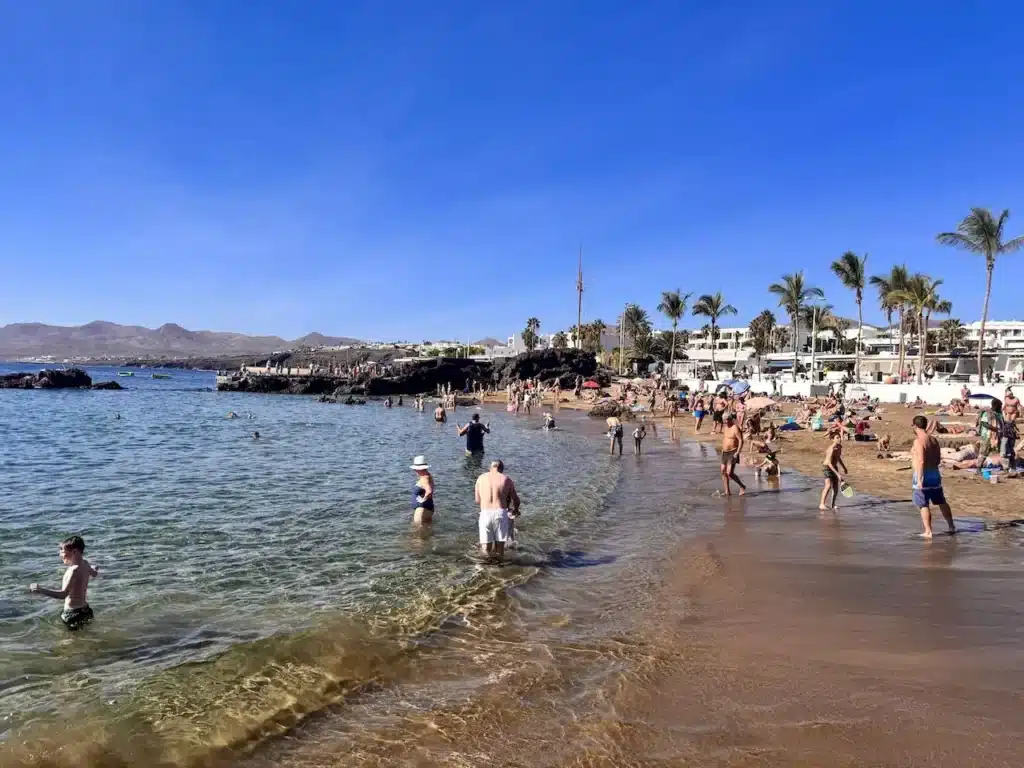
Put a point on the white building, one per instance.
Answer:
(999, 334)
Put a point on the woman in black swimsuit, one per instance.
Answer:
(422, 492)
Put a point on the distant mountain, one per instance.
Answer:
(103, 339)
(488, 342)
(319, 340)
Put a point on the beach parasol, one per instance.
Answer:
(591, 385)
(757, 403)
(738, 386)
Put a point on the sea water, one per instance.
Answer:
(231, 566)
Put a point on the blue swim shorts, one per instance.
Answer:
(924, 497)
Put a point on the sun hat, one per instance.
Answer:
(420, 462)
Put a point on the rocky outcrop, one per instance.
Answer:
(286, 385)
(425, 377)
(72, 378)
(611, 408)
(107, 385)
(563, 365)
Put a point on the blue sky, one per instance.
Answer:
(426, 169)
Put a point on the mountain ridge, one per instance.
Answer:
(102, 338)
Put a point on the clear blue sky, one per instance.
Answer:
(428, 169)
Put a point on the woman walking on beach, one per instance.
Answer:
(422, 492)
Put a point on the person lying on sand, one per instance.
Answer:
(883, 447)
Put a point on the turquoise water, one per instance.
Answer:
(263, 560)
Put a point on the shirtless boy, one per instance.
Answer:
(76, 613)
(925, 457)
(830, 469)
(496, 494)
(732, 445)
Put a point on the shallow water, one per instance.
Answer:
(643, 622)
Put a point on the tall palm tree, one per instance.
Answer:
(762, 329)
(793, 295)
(713, 306)
(635, 321)
(673, 306)
(850, 269)
(818, 317)
(530, 333)
(922, 297)
(980, 232)
(889, 287)
(952, 332)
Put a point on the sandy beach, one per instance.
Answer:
(967, 493)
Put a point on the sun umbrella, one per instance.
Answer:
(591, 385)
(757, 403)
(739, 387)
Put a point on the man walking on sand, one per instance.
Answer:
(732, 446)
(925, 457)
(496, 494)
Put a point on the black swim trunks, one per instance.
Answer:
(76, 618)
(828, 474)
(716, 416)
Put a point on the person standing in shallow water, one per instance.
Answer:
(830, 469)
(422, 492)
(926, 481)
(732, 446)
(474, 433)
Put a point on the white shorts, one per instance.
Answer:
(493, 525)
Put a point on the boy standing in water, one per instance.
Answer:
(76, 613)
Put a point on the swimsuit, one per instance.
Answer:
(829, 474)
(418, 502)
(475, 438)
(698, 414)
(76, 618)
(728, 458)
(928, 492)
(493, 525)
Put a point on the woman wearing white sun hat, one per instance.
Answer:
(422, 492)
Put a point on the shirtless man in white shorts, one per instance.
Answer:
(497, 497)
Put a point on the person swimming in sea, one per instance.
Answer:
(255, 435)
(74, 587)
(440, 416)
(422, 492)
(231, 415)
(549, 421)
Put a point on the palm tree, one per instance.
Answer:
(780, 338)
(673, 306)
(819, 317)
(850, 269)
(980, 232)
(713, 306)
(635, 321)
(793, 295)
(530, 333)
(592, 333)
(921, 295)
(888, 288)
(560, 340)
(762, 329)
(643, 344)
(952, 332)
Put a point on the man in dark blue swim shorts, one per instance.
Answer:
(925, 457)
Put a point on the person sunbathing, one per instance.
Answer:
(883, 447)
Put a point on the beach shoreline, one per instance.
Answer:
(802, 451)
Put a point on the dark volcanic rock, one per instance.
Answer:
(417, 378)
(72, 378)
(550, 364)
(611, 408)
(306, 385)
(107, 385)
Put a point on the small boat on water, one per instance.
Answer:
(125, 373)
(161, 375)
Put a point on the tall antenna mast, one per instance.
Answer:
(579, 301)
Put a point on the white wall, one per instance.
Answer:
(933, 394)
